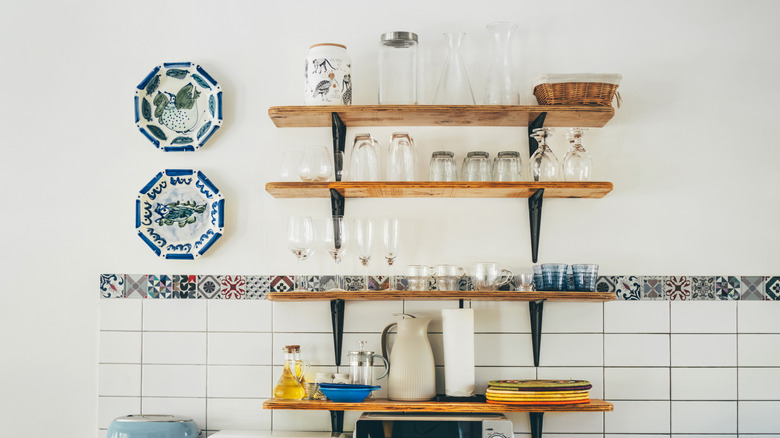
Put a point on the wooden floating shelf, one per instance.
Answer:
(441, 115)
(395, 295)
(430, 189)
(384, 405)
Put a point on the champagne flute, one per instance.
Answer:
(391, 247)
(335, 237)
(300, 237)
(363, 238)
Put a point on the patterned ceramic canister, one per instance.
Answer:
(328, 75)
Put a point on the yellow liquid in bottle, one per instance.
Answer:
(289, 388)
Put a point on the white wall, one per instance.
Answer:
(690, 153)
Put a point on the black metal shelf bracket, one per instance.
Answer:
(536, 124)
(339, 141)
(536, 308)
(337, 422)
(337, 320)
(536, 424)
(535, 200)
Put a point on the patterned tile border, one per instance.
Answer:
(254, 287)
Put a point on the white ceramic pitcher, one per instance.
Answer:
(412, 370)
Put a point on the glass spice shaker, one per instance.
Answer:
(398, 68)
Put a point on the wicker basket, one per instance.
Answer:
(581, 89)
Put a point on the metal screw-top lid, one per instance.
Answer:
(399, 39)
(481, 154)
(443, 154)
(508, 154)
(147, 418)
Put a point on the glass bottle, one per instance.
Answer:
(398, 68)
(300, 367)
(501, 85)
(454, 86)
(576, 162)
(543, 164)
(289, 387)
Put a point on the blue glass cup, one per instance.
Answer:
(538, 284)
(554, 276)
(584, 276)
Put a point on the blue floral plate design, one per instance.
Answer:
(180, 214)
(178, 106)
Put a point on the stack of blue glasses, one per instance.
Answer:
(556, 277)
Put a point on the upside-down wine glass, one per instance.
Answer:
(390, 239)
(335, 237)
(363, 239)
(543, 164)
(300, 237)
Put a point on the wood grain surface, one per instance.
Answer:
(395, 295)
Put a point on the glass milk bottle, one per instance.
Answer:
(398, 68)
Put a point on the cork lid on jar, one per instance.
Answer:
(328, 44)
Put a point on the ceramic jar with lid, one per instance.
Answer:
(328, 75)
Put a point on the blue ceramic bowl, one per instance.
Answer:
(344, 393)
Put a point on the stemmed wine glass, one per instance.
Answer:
(576, 163)
(363, 238)
(390, 238)
(334, 238)
(300, 237)
(543, 164)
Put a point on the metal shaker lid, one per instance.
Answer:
(398, 39)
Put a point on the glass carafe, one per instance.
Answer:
(454, 86)
(361, 366)
(501, 85)
(544, 166)
(576, 162)
(289, 386)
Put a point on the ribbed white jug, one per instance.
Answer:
(412, 370)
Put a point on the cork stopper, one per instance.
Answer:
(289, 348)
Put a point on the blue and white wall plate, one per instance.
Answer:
(178, 106)
(180, 214)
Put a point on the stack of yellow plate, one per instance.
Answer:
(538, 392)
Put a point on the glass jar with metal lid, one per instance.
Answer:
(398, 68)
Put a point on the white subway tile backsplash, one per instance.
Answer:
(430, 309)
(120, 347)
(595, 375)
(120, 314)
(110, 408)
(174, 381)
(759, 350)
(704, 417)
(317, 348)
(240, 315)
(573, 422)
(704, 383)
(506, 349)
(636, 383)
(571, 350)
(704, 316)
(636, 317)
(310, 421)
(302, 317)
(244, 381)
(704, 350)
(759, 384)
(644, 350)
(371, 316)
(501, 317)
(194, 408)
(239, 414)
(563, 317)
(239, 348)
(759, 417)
(482, 375)
(175, 315)
(758, 316)
(174, 348)
(638, 417)
(119, 380)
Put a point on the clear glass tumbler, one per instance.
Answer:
(443, 167)
(476, 166)
(508, 166)
(316, 164)
(400, 158)
(364, 162)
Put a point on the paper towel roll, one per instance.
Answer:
(458, 330)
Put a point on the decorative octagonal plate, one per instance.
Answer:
(180, 214)
(178, 106)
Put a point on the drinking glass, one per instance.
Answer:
(364, 162)
(400, 158)
(443, 166)
(316, 164)
(543, 164)
(584, 276)
(508, 166)
(476, 166)
(363, 239)
(489, 276)
(538, 283)
(576, 162)
(289, 167)
(554, 276)
(525, 282)
(418, 277)
(390, 239)
(448, 276)
(335, 235)
(300, 239)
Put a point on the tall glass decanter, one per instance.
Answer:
(501, 83)
(577, 162)
(454, 86)
(544, 166)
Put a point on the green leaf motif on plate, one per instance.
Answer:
(153, 84)
(146, 110)
(203, 129)
(160, 102)
(199, 80)
(186, 97)
(177, 73)
(181, 140)
(212, 105)
(157, 132)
